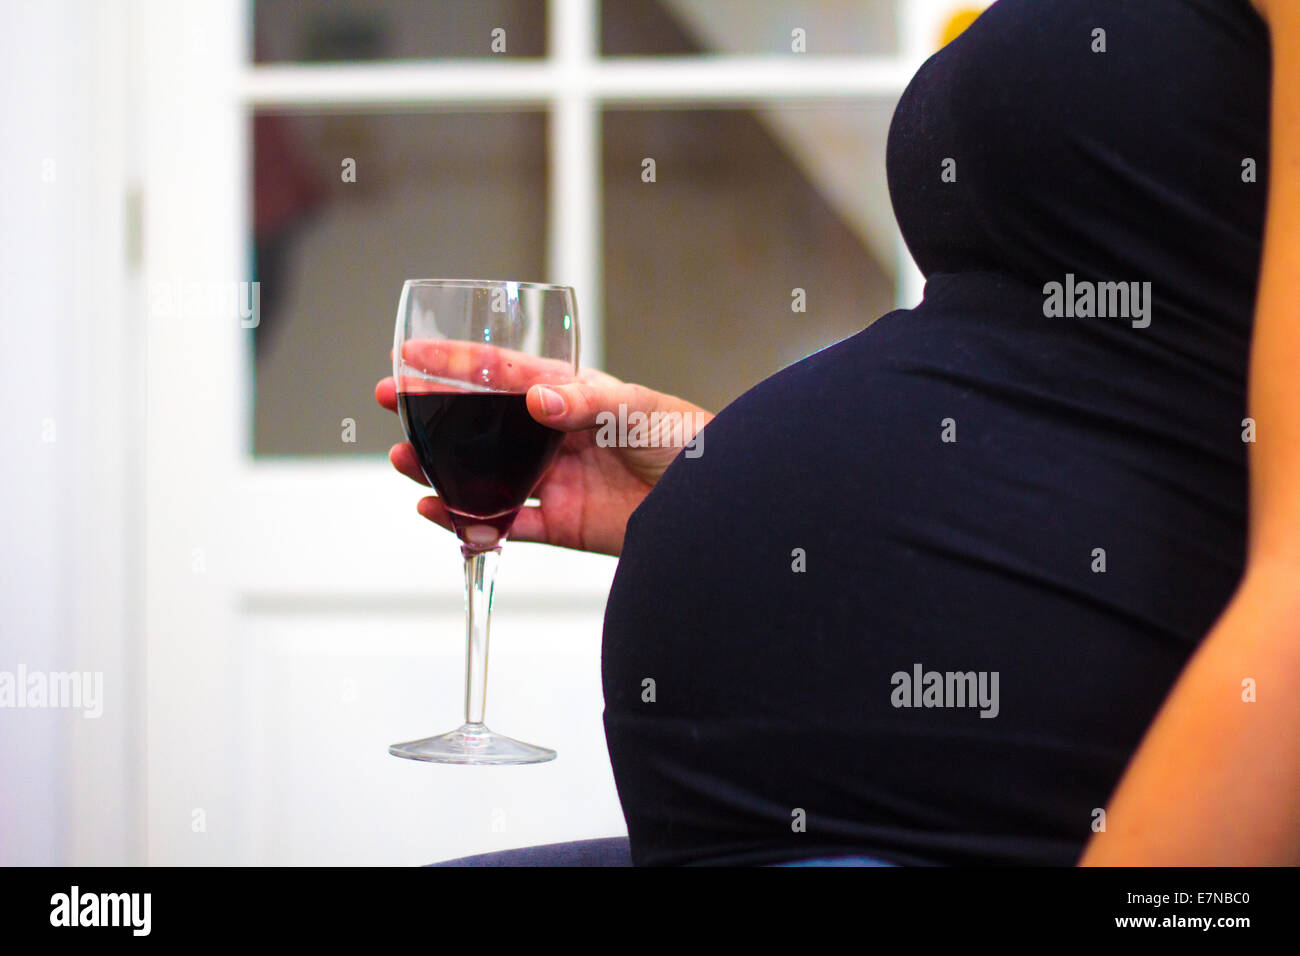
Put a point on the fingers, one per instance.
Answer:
(435, 511)
(449, 364)
(504, 370)
(529, 526)
(404, 460)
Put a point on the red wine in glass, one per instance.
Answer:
(482, 452)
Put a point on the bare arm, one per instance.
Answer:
(1216, 780)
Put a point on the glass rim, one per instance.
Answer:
(484, 284)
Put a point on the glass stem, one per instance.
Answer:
(480, 574)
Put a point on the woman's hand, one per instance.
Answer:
(590, 491)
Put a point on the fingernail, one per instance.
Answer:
(552, 401)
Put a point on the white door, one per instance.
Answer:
(298, 616)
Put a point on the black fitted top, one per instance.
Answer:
(977, 485)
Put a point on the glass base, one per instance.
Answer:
(472, 744)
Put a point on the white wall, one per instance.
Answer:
(65, 511)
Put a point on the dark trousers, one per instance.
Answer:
(610, 851)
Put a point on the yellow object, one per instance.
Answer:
(958, 21)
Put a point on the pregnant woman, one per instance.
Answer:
(1012, 576)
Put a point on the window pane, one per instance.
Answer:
(750, 27)
(303, 31)
(701, 264)
(435, 195)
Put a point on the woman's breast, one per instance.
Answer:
(1072, 136)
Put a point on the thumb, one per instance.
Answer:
(576, 406)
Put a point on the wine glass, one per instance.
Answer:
(465, 353)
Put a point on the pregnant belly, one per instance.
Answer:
(951, 491)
